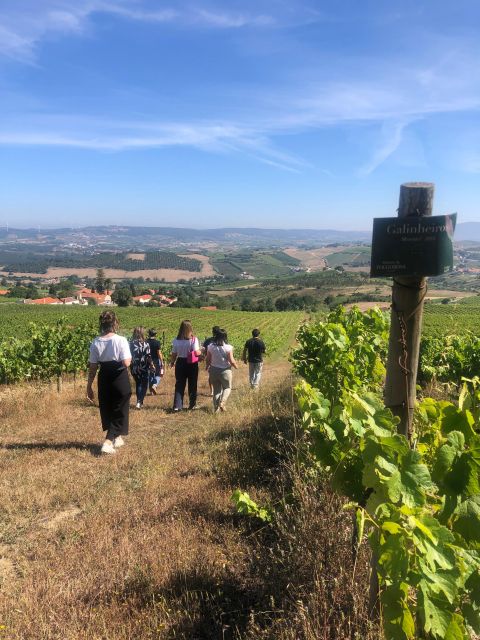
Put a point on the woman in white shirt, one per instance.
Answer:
(185, 353)
(220, 361)
(111, 353)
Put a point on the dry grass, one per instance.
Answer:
(146, 545)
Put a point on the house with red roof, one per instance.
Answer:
(47, 300)
(98, 298)
(146, 297)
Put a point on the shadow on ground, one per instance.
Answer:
(94, 449)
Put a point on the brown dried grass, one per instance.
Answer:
(146, 544)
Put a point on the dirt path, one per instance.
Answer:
(143, 544)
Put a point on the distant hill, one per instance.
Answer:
(168, 236)
(467, 231)
(123, 236)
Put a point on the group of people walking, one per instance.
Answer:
(112, 355)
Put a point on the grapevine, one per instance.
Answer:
(59, 345)
(420, 506)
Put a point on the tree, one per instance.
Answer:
(122, 296)
(20, 291)
(246, 305)
(100, 281)
(108, 284)
(65, 289)
(282, 304)
(269, 304)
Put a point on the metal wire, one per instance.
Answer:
(403, 360)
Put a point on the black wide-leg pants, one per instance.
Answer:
(114, 398)
(185, 372)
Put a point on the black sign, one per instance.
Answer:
(412, 246)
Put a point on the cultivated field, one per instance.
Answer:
(332, 256)
(277, 329)
(169, 275)
(147, 544)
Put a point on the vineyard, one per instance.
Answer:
(452, 318)
(417, 503)
(45, 343)
(39, 263)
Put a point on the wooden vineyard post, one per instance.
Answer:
(408, 295)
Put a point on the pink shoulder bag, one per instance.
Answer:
(192, 356)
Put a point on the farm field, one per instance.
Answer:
(169, 275)
(278, 329)
(453, 318)
(259, 264)
(148, 544)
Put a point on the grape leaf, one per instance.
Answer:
(472, 617)
(467, 521)
(435, 610)
(456, 629)
(393, 559)
(398, 621)
(456, 420)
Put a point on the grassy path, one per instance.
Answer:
(139, 545)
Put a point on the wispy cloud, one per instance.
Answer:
(226, 20)
(389, 94)
(24, 23)
(392, 135)
(108, 136)
(255, 131)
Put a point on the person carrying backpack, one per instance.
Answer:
(141, 363)
(253, 352)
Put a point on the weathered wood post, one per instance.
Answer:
(408, 295)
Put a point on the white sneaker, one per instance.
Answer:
(118, 442)
(107, 447)
(138, 405)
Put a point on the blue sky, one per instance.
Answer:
(282, 113)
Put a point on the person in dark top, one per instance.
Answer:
(205, 344)
(253, 354)
(157, 361)
(141, 364)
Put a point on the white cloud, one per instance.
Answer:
(392, 135)
(25, 23)
(231, 20)
(388, 93)
(108, 136)
(13, 45)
